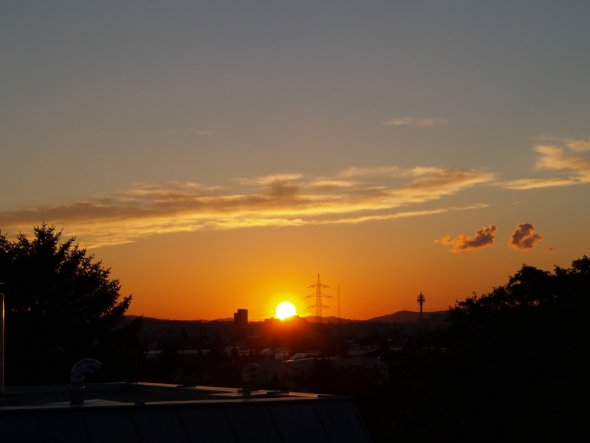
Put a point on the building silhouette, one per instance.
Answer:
(241, 321)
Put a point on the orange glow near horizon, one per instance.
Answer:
(207, 276)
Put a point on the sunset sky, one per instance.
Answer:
(219, 155)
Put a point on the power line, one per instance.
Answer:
(339, 317)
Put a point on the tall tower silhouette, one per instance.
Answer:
(421, 300)
(319, 299)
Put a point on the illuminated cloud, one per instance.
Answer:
(330, 183)
(269, 179)
(484, 237)
(578, 145)
(428, 122)
(287, 199)
(569, 159)
(403, 214)
(372, 172)
(524, 236)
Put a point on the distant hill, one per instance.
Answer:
(400, 317)
(404, 317)
(162, 321)
(149, 320)
(330, 320)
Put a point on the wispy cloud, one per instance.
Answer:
(331, 183)
(269, 179)
(287, 199)
(415, 122)
(403, 214)
(482, 238)
(524, 236)
(578, 145)
(378, 171)
(569, 158)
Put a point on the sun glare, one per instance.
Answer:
(285, 310)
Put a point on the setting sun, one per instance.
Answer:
(285, 310)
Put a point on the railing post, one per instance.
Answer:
(1, 338)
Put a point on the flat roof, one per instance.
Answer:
(140, 393)
(152, 412)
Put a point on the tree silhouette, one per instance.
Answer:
(519, 355)
(61, 305)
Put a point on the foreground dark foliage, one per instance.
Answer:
(518, 355)
(513, 366)
(61, 306)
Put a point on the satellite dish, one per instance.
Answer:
(79, 370)
(84, 367)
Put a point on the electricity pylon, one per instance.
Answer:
(319, 299)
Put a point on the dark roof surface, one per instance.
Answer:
(214, 415)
